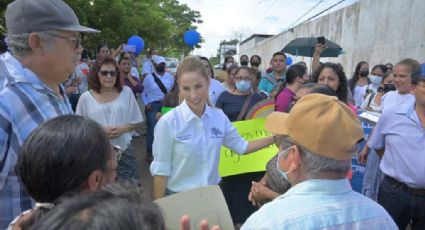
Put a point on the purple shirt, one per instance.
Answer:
(136, 89)
(284, 100)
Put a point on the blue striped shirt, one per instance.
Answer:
(25, 103)
(321, 204)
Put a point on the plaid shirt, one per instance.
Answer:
(321, 204)
(25, 102)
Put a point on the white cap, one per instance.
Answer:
(158, 59)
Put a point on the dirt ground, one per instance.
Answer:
(139, 144)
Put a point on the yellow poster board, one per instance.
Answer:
(232, 163)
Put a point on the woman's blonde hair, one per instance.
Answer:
(192, 64)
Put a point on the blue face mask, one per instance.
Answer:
(243, 85)
(376, 80)
(283, 173)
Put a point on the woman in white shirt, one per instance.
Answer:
(115, 108)
(373, 100)
(188, 139)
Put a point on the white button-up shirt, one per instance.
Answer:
(151, 91)
(186, 148)
(215, 90)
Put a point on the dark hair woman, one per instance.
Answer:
(115, 108)
(332, 75)
(113, 207)
(359, 84)
(296, 76)
(66, 155)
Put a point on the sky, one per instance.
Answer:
(228, 19)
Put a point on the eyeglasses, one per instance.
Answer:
(118, 151)
(238, 78)
(75, 40)
(105, 73)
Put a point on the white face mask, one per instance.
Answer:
(376, 80)
(280, 170)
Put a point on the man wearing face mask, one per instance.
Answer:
(148, 66)
(156, 86)
(316, 164)
(244, 60)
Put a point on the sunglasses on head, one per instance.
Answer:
(105, 73)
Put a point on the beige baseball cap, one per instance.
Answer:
(322, 124)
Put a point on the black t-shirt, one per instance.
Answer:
(232, 104)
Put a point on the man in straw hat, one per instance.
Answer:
(323, 133)
(45, 43)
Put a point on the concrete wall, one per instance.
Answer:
(376, 31)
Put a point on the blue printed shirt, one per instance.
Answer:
(270, 82)
(320, 204)
(25, 103)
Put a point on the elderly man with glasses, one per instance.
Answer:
(44, 39)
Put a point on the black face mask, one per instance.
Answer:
(244, 63)
(255, 64)
(160, 69)
(389, 87)
(364, 73)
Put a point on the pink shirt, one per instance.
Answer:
(284, 100)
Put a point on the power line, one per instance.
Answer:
(325, 10)
(264, 16)
(308, 11)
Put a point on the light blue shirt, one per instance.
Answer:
(151, 91)
(394, 98)
(186, 148)
(270, 82)
(321, 204)
(5, 77)
(400, 132)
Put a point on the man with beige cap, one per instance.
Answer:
(323, 133)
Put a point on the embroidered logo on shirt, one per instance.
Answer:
(216, 132)
(184, 137)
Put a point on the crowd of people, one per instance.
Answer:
(67, 160)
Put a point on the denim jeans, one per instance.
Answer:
(150, 124)
(403, 206)
(73, 100)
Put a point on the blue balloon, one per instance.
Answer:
(138, 42)
(191, 37)
(288, 60)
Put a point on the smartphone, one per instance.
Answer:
(321, 40)
(129, 48)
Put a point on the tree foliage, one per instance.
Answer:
(161, 23)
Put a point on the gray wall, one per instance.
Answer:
(376, 31)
